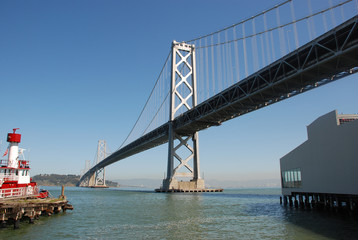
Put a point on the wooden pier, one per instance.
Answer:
(14, 210)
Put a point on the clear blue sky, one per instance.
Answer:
(74, 72)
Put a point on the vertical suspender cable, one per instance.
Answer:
(244, 46)
(254, 47)
(236, 54)
(228, 62)
(212, 66)
(156, 101)
(311, 21)
(199, 67)
(333, 18)
(166, 82)
(161, 96)
(281, 33)
(294, 24)
(231, 67)
(324, 22)
(224, 64)
(309, 29)
(203, 75)
(207, 69)
(269, 60)
(219, 79)
(263, 57)
(272, 47)
(342, 13)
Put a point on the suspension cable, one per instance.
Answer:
(275, 28)
(243, 21)
(147, 100)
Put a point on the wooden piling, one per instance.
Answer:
(300, 198)
(17, 223)
(62, 192)
(290, 201)
(322, 201)
(296, 202)
(307, 201)
(285, 200)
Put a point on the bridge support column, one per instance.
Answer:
(190, 146)
(92, 180)
(184, 148)
(100, 180)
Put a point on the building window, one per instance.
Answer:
(346, 120)
(291, 178)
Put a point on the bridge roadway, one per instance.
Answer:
(327, 58)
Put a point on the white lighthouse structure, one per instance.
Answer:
(14, 139)
(15, 180)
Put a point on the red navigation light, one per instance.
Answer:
(14, 137)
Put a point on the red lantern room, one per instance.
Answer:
(14, 137)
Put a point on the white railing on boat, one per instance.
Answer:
(22, 163)
(4, 163)
(19, 192)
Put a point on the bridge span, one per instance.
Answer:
(325, 59)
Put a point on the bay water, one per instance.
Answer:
(134, 213)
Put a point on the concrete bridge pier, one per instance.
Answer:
(172, 181)
(183, 186)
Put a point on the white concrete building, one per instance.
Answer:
(327, 163)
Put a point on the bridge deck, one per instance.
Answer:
(323, 60)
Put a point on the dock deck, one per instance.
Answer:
(14, 210)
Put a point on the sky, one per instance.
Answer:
(75, 72)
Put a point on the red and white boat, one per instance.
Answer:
(15, 181)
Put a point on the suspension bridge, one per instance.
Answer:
(291, 48)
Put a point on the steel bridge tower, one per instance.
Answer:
(182, 97)
(97, 179)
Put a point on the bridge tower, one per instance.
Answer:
(182, 97)
(98, 178)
